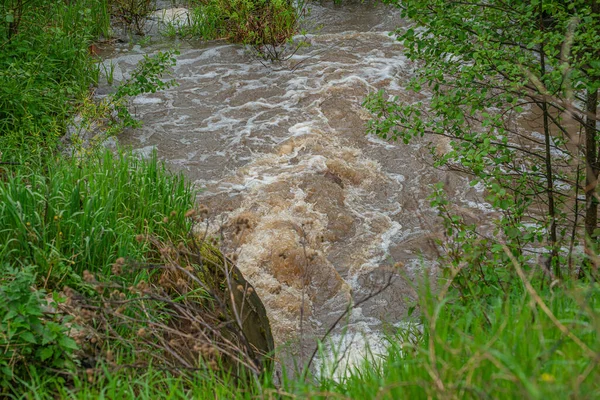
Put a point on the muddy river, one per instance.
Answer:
(317, 213)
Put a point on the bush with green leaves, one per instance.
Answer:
(491, 68)
(31, 335)
(265, 25)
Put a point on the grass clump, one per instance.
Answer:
(264, 25)
(77, 216)
(151, 384)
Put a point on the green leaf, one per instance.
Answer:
(28, 337)
(67, 343)
(7, 371)
(45, 353)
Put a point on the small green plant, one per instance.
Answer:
(146, 78)
(30, 336)
(267, 26)
(133, 13)
(145, 41)
(107, 70)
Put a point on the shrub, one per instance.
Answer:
(29, 337)
(133, 13)
(265, 25)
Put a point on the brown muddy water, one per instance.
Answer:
(316, 212)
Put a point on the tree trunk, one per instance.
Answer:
(591, 157)
(553, 264)
(591, 178)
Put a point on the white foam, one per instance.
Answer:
(147, 100)
(359, 344)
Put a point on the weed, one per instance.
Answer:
(267, 26)
(133, 13)
(146, 78)
(107, 70)
(31, 336)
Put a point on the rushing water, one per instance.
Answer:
(317, 212)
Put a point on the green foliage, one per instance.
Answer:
(146, 78)
(477, 57)
(265, 25)
(46, 71)
(45, 68)
(61, 222)
(487, 67)
(30, 337)
(476, 265)
(492, 336)
(524, 344)
(489, 333)
(73, 216)
(510, 348)
(19, 17)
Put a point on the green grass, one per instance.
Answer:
(509, 349)
(45, 69)
(82, 215)
(149, 384)
(61, 217)
(205, 21)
